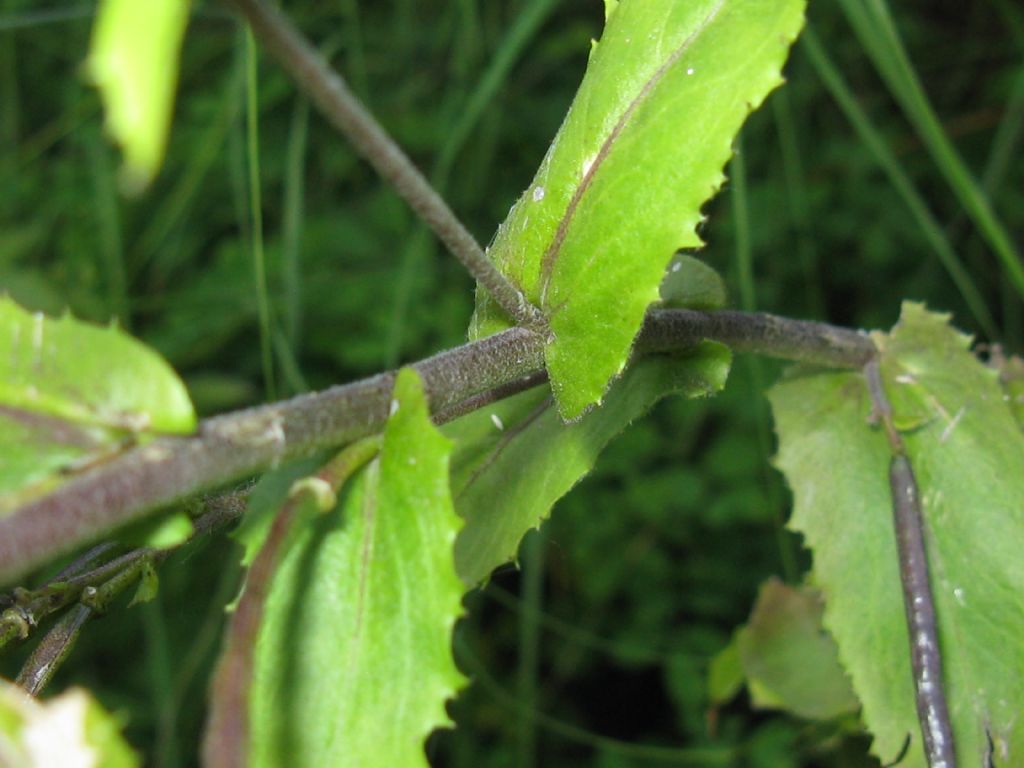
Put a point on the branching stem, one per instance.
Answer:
(93, 583)
(240, 444)
(331, 95)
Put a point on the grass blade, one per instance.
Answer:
(900, 181)
(256, 214)
(755, 377)
(874, 27)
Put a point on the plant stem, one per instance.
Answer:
(240, 444)
(925, 657)
(800, 341)
(94, 588)
(329, 92)
(96, 569)
(54, 648)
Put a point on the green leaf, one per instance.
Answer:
(265, 500)
(72, 394)
(788, 659)
(968, 455)
(68, 730)
(665, 92)
(161, 532)
(353, 663)
(87, 375)
(133, 60)
(689, 283)
(149, 585)
(515, 459)
(725, 673)
(36, 449)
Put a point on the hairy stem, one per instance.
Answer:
(800, 341)
(329, 92)
(925, 657)
(240, 444)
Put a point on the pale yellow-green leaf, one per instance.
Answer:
(968, 455)
(73, 395)
(68, 731)
(133, 60)
(353, 664)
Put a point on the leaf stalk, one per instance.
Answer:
(918, 603)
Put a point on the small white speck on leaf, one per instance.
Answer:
(538, 194)
(952, 425)
(588, 164)
(37, 339)
(496, 421)
(689, 70)
(958, 593)
(677, 266)
(394, 408)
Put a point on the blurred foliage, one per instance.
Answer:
(597, 653)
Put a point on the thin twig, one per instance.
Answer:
(91, 571)
(54, 648)
(329, 92)
(96, 589)
(24, 609)
(230, 447)
(84, 562)
(925, 657)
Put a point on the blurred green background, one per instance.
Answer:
(596, 652)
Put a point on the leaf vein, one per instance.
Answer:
(551, 254)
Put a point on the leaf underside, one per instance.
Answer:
(515, 459)
(353, 664)
(787, 659)
(968, 455)
(665, 92)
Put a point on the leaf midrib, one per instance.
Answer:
(553, 251)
